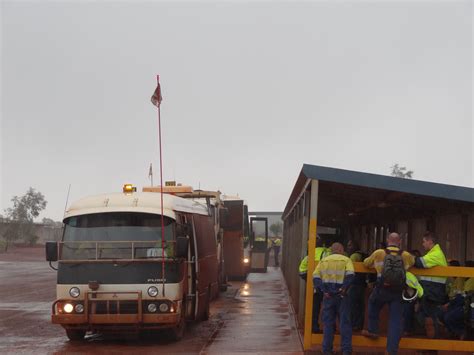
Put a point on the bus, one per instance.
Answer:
(114, 272)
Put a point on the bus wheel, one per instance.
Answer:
(177, 332)
(75, 334)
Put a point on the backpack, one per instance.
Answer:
(393, 273)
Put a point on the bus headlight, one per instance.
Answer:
(152, 308)
(79, 308)
(68, 308)
(74, 292)
(152, 291)
(164, 307)
(246, 260)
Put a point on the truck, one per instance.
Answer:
(115, 272)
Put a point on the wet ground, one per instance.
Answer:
(251, 317)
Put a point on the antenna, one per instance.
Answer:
(67, 199)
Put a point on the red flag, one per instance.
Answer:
(156, 97)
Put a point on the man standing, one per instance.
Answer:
(320, 252)
(332, 277)
(434, 286)
(276, 250)
(356, 292)
(391, 264)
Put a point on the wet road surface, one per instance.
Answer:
(251, 317)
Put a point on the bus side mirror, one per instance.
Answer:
(182, 244)
(51, 251)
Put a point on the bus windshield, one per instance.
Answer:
(116, 235)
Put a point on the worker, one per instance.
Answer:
(453, 312)
(276, 243)
(356, 292)
(391, 264)
(411, 295)
(332, 277)
(320, 252)
(434, 286)
(454, 285)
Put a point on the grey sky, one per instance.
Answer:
(252, 90)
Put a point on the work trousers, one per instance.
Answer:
(430, 309)
(356, 296)
(453, 319)
(378, 298)
(276, 252)
(409, 317)
(337, 306)
(317, 299)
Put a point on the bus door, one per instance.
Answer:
(258, 245)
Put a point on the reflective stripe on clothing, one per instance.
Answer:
(375, 261)
(434, 257)
(333, 272)
(412, 282)
(440, 280)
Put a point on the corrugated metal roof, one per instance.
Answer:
(382, 182)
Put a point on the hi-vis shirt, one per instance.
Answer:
(434, 257)
(412, 282)
(334, 272)
(376, 259)
(319, 253)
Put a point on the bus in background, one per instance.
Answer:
(236, 232)
(113, 274)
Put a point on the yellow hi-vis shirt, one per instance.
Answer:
(455, 286)
(434, 257)
(469, 285)
(375, 260)
(333, 272)
(319, 253)
(412, 282)
(277, 242)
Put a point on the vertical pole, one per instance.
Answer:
(313, 215)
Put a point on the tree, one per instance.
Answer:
(401, 172)
(21, 216)
(276, 229)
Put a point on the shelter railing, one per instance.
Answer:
(406, 343)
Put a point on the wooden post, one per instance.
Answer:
(313, 215)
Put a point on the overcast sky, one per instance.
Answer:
(251, 91)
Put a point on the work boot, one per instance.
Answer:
(368, 334)
(430, 328)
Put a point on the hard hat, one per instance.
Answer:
(409, 294)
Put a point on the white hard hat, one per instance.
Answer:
(409, 294)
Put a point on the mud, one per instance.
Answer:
(248, 318)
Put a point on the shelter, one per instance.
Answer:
(366, 207)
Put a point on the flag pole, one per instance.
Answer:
(156, 100)
(150, 174)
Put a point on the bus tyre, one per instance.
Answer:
(75, 334)
(177, 333)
